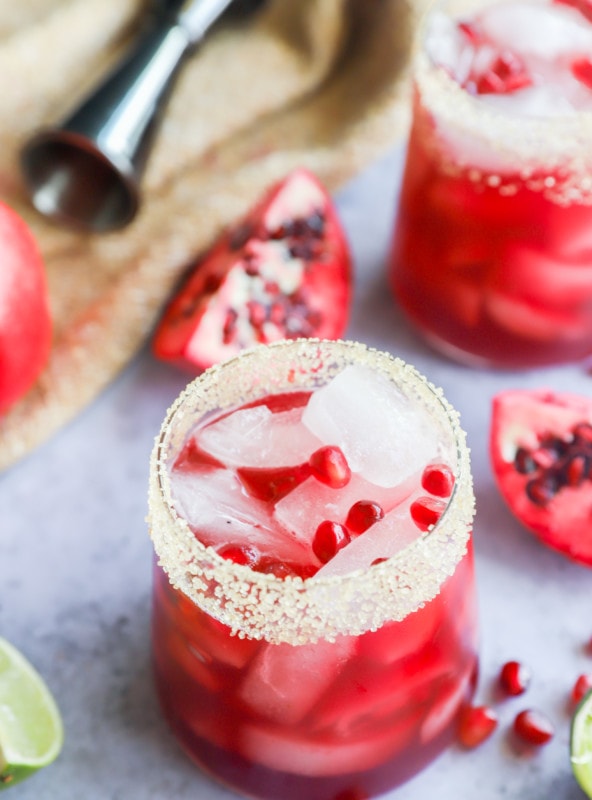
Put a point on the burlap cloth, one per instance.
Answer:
(318, 83)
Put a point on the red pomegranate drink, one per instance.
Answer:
(314, 630)
(492, 253)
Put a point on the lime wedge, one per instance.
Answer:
(581, 743)
(31, 731)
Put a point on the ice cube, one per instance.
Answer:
(536, 29)
(383, 435)
(383, 540)
(256, 437)
(285, 681)
(206, 497)
(309, 504)
(447, 705)
(385, 698)
(401, 640)
(292, 752)
(216, 508)
(447, 46)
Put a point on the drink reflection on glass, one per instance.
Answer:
(492, 252)
(314, 627)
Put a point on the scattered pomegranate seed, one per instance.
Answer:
(581, 687)
(514, 678)
(329, 466)
(362, 515)
(438, 479)
(426, 511)
(533, 727)
(476, 724)
(239, 554)
(329, 538)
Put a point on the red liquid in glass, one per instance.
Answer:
(345, 720)
(491, 274)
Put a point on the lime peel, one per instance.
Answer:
(581, 743)
(31, 729)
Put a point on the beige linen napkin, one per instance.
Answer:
(315, 83)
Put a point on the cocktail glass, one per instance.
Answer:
(492, 251)
(327, 687)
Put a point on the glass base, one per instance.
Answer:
(260, 783)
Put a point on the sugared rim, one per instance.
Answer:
(262, 606)
(551, 154)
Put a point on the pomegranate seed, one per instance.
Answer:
(581, 69)
(272, 484)
(426, 511)
(362, 515)
(533, 727)
(476, 724)
(524, 462)
(438, 479)
(514, 678)
(576, 469)
(329, 466)
(582, 433)
(581, 687)
(239, 554)
(542, 490)
(506, 74)
(546, 455)
(329, 538)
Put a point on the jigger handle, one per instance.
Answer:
(86, 172)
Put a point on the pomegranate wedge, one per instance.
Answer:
(283, 272)
(541, 453)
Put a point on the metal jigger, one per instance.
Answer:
(86, 172)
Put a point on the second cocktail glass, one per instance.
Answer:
(292, 666)
(492, 254)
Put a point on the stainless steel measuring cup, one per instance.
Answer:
(86, 171)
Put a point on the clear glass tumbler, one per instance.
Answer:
(492, 251)
(318, 685)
